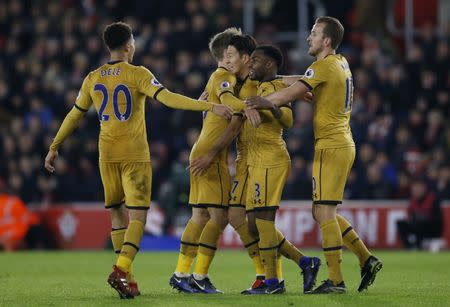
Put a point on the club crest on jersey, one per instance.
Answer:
(224, 85)
(155, 82)
(309, 73)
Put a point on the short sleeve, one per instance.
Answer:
(84, 100)
(223, 83)
(314, 75)
(147, 83)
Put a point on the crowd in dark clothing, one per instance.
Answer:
(401, 100)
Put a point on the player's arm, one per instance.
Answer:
(315, 75)
(281, 114)
(279, 98)
(149, 86)
(223, 85)
(228, 98)
(199, 165)
(70, 123)
(289, 80)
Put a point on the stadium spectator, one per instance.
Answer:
(19, 227)
(401, 99)
(424, 216)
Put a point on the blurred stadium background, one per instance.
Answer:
(398, 51)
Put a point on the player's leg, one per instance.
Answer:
(114, 195)
(189, 240)
(276, 178)
(264, 208)
(214, 190)
(207, 249)
(237, 218)
(325, 200)
(369, 264)
(119, 221)
(188, 249)
(352, 241)
(136, 183)
(309, 265)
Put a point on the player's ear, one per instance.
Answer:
(327, 41)
(127, 47)
(246, 58)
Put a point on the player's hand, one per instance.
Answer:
(308, 97)
(204, 96)
(223, 111)
(50, 160)
(199, 165)
(257, 102)
(253, 116)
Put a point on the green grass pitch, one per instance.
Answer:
(79, 279)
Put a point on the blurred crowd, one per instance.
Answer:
(399, 118)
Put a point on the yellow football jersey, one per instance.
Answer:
(244, 89)
(220, 83)
(268, 148)
(118, 91)
(331, 82)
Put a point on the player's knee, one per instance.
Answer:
(236, 217)
(200, 217)
(138, 215)
(119, 217)
(220, 217)
(323, 213)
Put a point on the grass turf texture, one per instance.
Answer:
(79, 279)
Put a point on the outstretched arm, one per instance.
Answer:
(279, 98)
(177, 101)
(199, 165)
(289, 80)
(228, 98)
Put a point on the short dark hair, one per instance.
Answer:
(244, 44)
(272, 52)
(117, 35)
(219, 42)
(333, 29)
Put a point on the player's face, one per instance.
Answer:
(316, 39)
(234, 60)
(131, 49)
(258, 66)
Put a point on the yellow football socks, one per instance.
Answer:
(268, 246)
(332, 248)
(130, 246)
(251, 244)
(188, 247)
(207, 247)
(287, 249)
(117, 236)
(351, 240)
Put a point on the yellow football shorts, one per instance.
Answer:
(239, 185)
(211, 189)
(331, 168)
(265, 186)
(127, 182)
